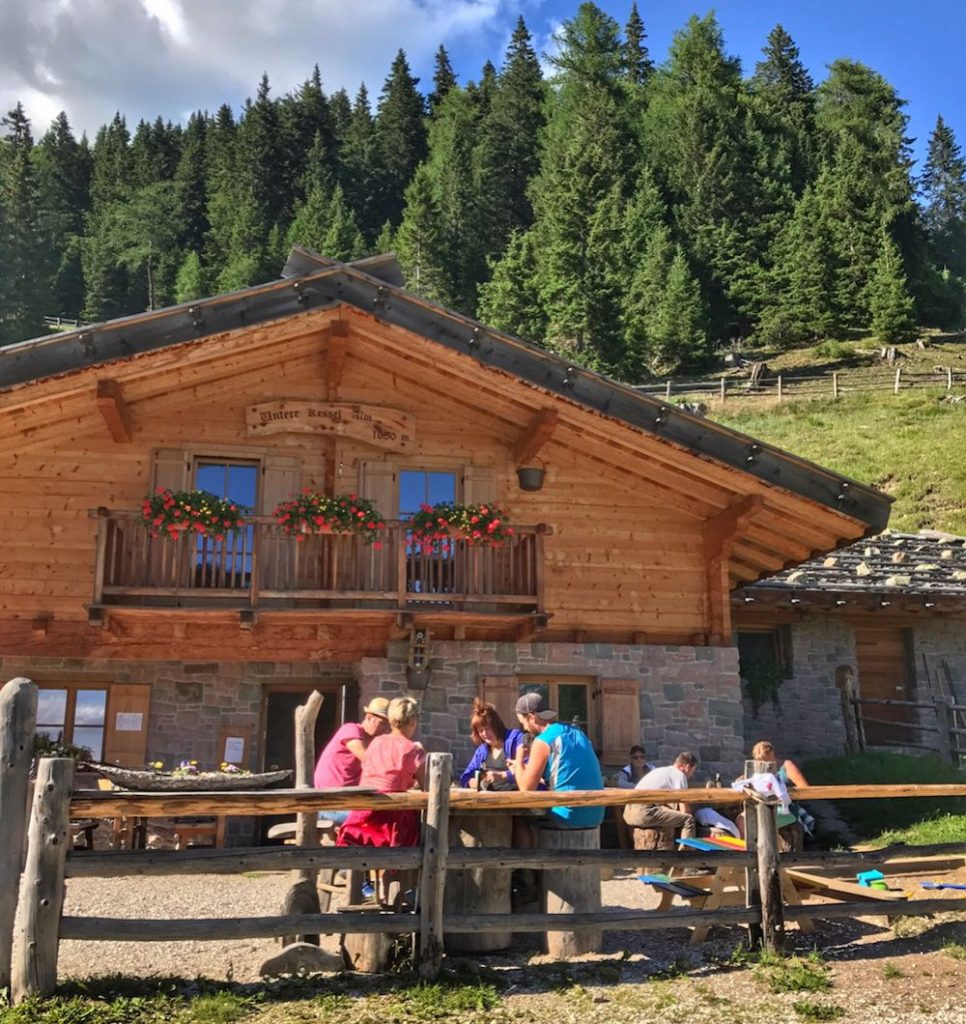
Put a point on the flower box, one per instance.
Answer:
(484, 525)
(168, 513)
(310, 513)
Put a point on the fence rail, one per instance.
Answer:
(943, 737)
(784, 386)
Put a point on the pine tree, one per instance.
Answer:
(694, 132)
(943, 189)
(510, 301)
(800, 303)
(443, 80)
(418, 240)
(190, 282)
(220, 187)
(400, 138)
(508, 153)
(343, 240)
(677, 336)
(190, 183)
(638, 66)
(23, 292)
(889, 301)
(358, 170)
(588, 157)
(63, 167)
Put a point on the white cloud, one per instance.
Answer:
(169, 57)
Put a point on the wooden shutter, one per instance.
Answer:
(502, 692)
(377, 481)
(479, 485)
(171, 469)
(620, 718)
(281, 477)
(126, 746)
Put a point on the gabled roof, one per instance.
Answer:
(373, 286)
(926, 563)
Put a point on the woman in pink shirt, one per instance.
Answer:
(393, 763)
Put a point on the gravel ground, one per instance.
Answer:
(877, 972)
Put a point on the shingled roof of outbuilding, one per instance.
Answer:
(925, 563)
(373, 286)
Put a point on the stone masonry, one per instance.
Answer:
(807, 721)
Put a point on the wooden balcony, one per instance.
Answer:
(259, 568)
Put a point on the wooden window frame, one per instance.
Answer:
(72, 685)
(553, 680)
(201, 457)
(781, 646)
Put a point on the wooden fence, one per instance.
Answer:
(939, 725)
(49, 863)
(829, 385)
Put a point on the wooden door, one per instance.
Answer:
(126, 732)
(883, 670)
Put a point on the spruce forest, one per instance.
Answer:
(629, 213)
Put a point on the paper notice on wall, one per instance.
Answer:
(129, 721)
(234, 749)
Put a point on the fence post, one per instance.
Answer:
(895, 389)
(769, 878)
(835, 385)
(667, 392)
(752, 888)
(18, 717)
(722, 389)
(433, 878)
(34, 970)
(779, 387)
(949, 378)
(944, 724)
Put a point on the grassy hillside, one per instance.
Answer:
(912, 445)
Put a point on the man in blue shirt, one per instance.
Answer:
(562, 757)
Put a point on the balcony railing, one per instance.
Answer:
(259, 567)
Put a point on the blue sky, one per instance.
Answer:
(168, 57)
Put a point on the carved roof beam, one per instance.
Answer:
(116, 412)
(536, 434)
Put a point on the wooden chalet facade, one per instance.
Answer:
(889, 610)
(613, 595)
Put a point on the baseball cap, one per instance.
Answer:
(378, 706)
(534, 704)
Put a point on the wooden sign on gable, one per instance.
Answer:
(372, 424)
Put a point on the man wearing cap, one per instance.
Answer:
(340, 763)
(562, 757)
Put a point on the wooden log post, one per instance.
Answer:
(18, 717)
(835, 385)
(571, 890)
(433, 878)
(947, 747)
(769, 877)
(479, 891)
(304, 897)
(752, 885)
(34, 971)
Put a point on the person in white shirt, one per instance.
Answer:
(677, 816)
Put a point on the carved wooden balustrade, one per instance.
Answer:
(260, 567)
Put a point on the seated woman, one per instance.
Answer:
(627, 778)
(495, 746)
(796, 821)
(393, 763)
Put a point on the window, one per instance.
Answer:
(424, 487)
(237, 481)
(764, 647)
(75, 715)
(569, 697)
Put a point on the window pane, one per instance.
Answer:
(51, 707)
(90, 707)
(53, 732)
(441, 487)
(757, 649)
(572, 698)
(542, 688)
(418, 487)
(235, 481)
(93, 739)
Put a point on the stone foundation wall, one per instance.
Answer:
(807, 721)
(689, 696)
